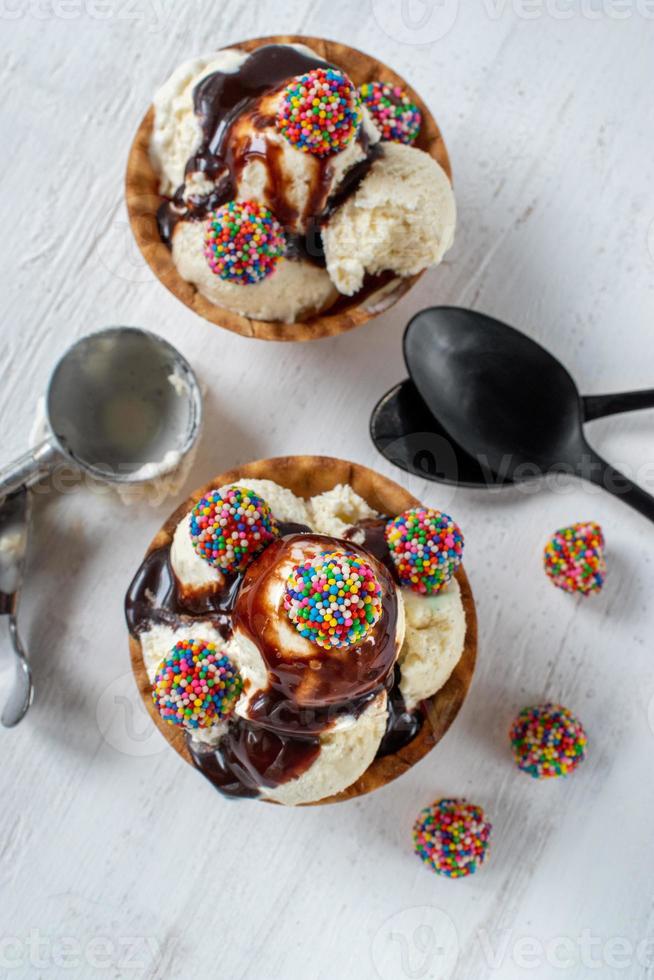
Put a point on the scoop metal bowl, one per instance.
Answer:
(123, 406)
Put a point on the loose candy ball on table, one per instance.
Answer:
(333, 600)
(196, 685)
(243, 242)
(395, 115)
(229, 528)
(451, 837)
(426, 547)
(547, 741)
(574, 558)
(320, 112)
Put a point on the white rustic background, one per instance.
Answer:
(118, 860)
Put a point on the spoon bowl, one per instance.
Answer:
(506, 401)
(501, 396)
(407, 434)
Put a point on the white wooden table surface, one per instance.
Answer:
(118, 860)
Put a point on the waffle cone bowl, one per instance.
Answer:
(307, 476)
(143, 200)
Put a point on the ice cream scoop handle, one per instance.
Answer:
(598, 406)
(27, 469)
(14, 528)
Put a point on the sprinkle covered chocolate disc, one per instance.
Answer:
(574, 558)
(547, 740)
(334, 600)
(229, 527)
(320, 112)
(395, 115)
(196, 685)
(426, 547)
(243, 242)
(452, 837)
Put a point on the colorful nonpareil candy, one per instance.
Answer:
(243, 242)
(196, 685)
(426, 547)
(451, 837)
(320, 112)
(574, 558)
(333, 600)
(229, 527)
(395, 115)
(547, 741)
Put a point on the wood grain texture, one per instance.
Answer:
(143, 200)
(104, 833)
(307, 476)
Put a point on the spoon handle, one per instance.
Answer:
(599, 406)
(603, 475)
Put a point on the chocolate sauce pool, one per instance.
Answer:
(281, 737)
(223, 99)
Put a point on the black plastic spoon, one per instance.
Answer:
(506, 400)
(404, 431)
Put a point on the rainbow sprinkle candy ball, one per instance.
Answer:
(452, 837)
(320, 112)
(395, 115)
(229, 527)
(195, 685)
(243, 242)
(426, 547)
(547, 741)
(333, 600)
(574, 558)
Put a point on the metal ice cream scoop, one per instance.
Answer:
(14, 521)
(123, 406)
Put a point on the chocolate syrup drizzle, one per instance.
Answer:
(224, 99)
(280, 739)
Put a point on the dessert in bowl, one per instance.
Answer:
(302, 631)
(289, 188)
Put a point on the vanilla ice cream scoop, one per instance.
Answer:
(402, 218)
(304, 674)
(332, 203)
